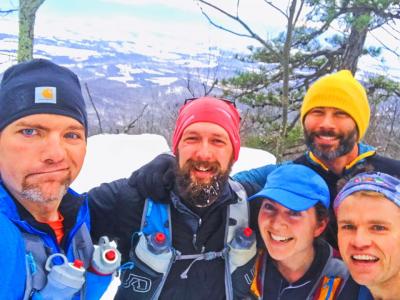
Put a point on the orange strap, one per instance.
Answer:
(256, 286)
(328, 288)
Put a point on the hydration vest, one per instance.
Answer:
(327, 287)
(37, 253)
(146, 276)
(40, 245)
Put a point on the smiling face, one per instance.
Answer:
(287, 234)
(369, 239)
(207, 146)
(205, 158)
(329, 132)
(40, 155)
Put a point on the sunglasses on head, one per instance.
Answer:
(229, 101)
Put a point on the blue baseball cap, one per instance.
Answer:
(382, 183)
(296, 187)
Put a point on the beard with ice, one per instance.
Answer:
(198, 193)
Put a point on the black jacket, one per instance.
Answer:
(117, 208)
(277, 287)
(377, 162)
(367, 157)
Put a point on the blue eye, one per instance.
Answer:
(29, 131)
(72, 135)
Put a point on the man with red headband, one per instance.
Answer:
(335, 116)
(199, 246)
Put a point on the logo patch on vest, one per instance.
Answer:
(138, 283)
(45, 94)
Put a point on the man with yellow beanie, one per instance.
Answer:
(335, 116)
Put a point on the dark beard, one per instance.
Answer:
(201, 194)
(346, 144)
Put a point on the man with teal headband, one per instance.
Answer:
(368, 215)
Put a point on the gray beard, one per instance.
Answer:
(346, 144)
(35, 195)
(32, 193)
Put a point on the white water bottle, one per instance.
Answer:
(63, 281)
(244, 238)
(106, 258)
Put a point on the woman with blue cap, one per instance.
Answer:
(296, 264)
(368, 215)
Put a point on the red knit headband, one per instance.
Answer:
(213, 110)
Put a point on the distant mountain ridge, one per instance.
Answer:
(123, 76)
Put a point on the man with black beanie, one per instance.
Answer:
(44, 225)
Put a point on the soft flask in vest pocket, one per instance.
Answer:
(152, 258)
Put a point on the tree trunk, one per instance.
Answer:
(27, 14)
(355, 45)
(280, 143)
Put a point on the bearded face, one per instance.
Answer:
(329, 132)
(346, 142)
(198, 190)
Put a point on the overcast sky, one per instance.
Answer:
(176, 20)
(167, 24)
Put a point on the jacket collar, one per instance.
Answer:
(364, 151)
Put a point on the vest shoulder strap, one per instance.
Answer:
(238, 213)
(156, 218)
(35, 259)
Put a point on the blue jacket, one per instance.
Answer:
(15, 221)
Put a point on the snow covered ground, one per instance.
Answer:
(111, 156)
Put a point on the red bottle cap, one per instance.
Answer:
(78, 263)
(110, 255)
(159, 238)
(247, 231)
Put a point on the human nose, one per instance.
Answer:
(327, 121)
(361, 239)
(278, 221)
(204, 151)
(53, 150)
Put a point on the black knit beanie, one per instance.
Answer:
(40, 87)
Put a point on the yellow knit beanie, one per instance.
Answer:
(339, 90)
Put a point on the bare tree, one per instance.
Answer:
(282, 56)
(131, 124)
(27, 16)
(294, 59)
(204, 80)
(94, 107)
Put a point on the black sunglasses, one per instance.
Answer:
(229, 101)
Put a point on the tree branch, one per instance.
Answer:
(251, 33)
(132, 123)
